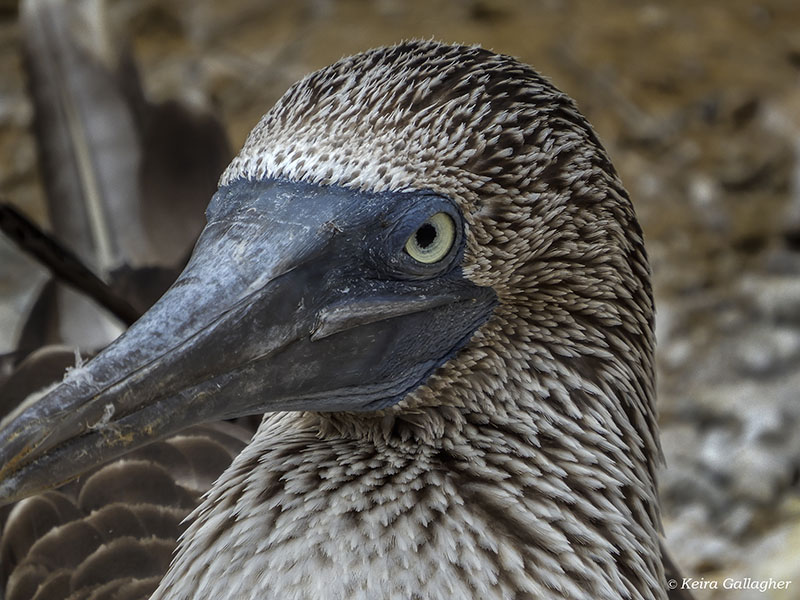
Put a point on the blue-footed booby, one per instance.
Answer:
(424, 268)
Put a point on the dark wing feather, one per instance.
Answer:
(111, 532)
(115, 529)
(128, 558)
(36, 371)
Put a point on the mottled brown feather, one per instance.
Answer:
(111, 533)
(125, 557)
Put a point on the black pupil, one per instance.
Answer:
(425, 235)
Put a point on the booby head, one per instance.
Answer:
(420, 246)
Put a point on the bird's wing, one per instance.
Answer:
(111, 532)
(114, 529)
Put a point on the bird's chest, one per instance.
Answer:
(355, 525)
(354, 529)
(297, 522)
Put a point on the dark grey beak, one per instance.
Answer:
(294, 299)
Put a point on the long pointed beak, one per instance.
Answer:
(260, 320)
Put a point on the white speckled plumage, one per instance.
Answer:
(525, 466)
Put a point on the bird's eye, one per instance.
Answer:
(433, 240)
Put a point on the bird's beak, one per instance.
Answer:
(278, 309)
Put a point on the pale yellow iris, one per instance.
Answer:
(433, 240)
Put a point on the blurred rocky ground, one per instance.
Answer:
(699, 106)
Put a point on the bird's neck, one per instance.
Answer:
(541, 484)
